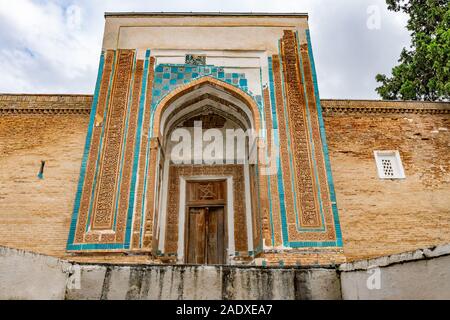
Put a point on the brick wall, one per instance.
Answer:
(35, 213)
(44, 104)
(378, 217)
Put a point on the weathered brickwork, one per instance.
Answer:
(378, 217)
(304, 257)
(45, 104)
(35, 213)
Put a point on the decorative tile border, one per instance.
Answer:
(81, 179)
(119, 104)
(383, 107)
(140, 214)
(323, 137)
(115, 134)
(301, 143)
(298, 73)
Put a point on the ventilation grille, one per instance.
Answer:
(389, 165)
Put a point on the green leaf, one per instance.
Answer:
(423, 72)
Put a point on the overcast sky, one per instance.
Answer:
(53, 46)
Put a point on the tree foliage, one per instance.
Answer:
(424, 69)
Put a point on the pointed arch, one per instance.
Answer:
(196, 84)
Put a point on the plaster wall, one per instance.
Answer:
(420, 274)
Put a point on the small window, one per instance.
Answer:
(389, 165)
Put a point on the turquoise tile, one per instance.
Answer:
(243, 82)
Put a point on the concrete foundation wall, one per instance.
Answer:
(422, 274)
(204, 283)
(25, 275)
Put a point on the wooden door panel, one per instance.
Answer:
(196, 236)
(215, 236)
(200, 230)
(211, 236)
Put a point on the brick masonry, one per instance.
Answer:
(45, 104)
(378, 217)
(35, 213)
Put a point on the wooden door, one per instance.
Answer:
(206, 235)
(205, 222)
(215, 251)
(196, 236)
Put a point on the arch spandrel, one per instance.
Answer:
(196, 84)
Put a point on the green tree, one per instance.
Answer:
(424, 69)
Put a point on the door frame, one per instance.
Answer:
(228, 215)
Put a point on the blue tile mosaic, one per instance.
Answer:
(169, 76)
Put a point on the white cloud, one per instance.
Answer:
(44, 49)
(47, 53)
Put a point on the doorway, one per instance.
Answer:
(205, 222)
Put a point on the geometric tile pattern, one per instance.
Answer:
(170, 76)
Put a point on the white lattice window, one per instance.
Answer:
(389, 165)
